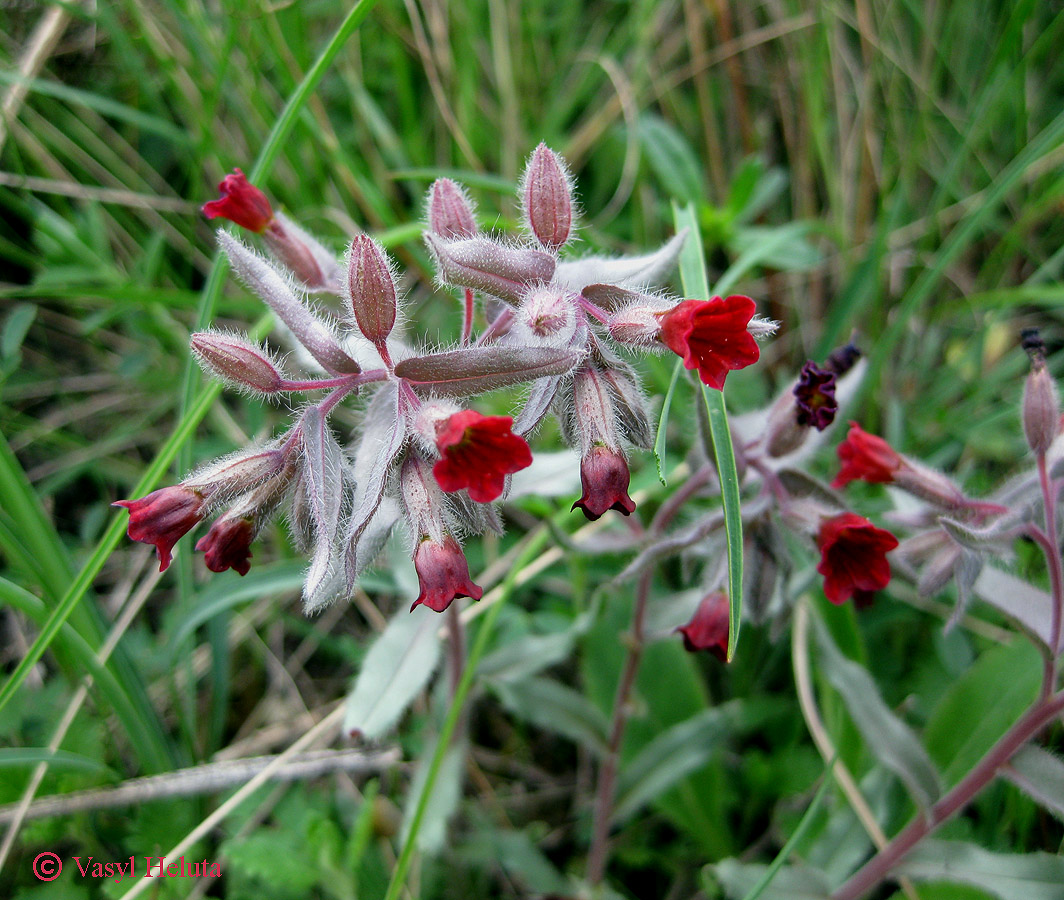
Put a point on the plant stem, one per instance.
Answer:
(607, 777)
(877, 868)
(1056, 577)
(467, 319)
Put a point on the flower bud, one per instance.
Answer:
(237, 361)
(241, 203)
(547, 198)
(311, 263)
(228, 544)
(604, 478)
(238, 472)
(636, 326)
(163, 517)
(1041, 402)
(369, 290)
(488, 266)
(709, 627)
(442, 573)
(547, 316)
(450, 211)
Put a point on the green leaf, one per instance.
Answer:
(1009, 876)
(556, 708)
(57, 759)
(268, 856)
(442, 802)
(395, 670)
(16, 326)
(663, 421)
(789, 883)
(672, 160)
(696, 284)
(1040, 775)
(889, 739)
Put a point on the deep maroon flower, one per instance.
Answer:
(604, 477)
(711, 336)
(478, 452)
(241, 202)
(443, 574)
(163, 518)
(815, 396)
(853, 558)
(708, 628)
(866, 457)
(228, 545)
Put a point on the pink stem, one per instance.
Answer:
(467, 321)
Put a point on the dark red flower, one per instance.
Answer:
(604, 477)
(709, 627)
(443, 574)
(853, 558)
(866, 457)
(163, 518)
(228, 545)
(815, 396)
(712, 336)
(478, 452)
(241, 202)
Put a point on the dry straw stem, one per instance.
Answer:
(803, 680)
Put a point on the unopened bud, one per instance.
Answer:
(369, 289)
(488, 266)
(547, 316)
(237, 360)
(240, 472)
(1041, 407)
(450, 211)
(636, 326)
(842, 359)
(313, 265)
(547, 196)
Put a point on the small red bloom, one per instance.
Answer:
(478, 452)
(815, 396)
(228, 545)
(853, 558)
(866, 457)
(709, 627)
(163, 518)
(241, 202)
(443, 574)
(604, 477)
(711, 336)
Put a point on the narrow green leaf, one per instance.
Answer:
(11, 757)
(663, 421)
(1009, 876)
(1040, 775)
(696, 284)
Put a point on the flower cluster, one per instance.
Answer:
(422, 454)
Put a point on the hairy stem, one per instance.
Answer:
(1056, 577)
(877, 868)
(607, 776)
(467, 319)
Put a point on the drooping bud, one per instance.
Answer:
(547, 198)
(1041, 402)
(241, 203)
(478, 452)
(369, 290)
(712, 336)
(237, 360)
(488, 266)
(443, 574)
(450, 211)
(228, 544)
(604, 478)
(163, 517)
(546, 316)
(308, 329)
(709, 627)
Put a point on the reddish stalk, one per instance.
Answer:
(1056, 576)
(879, 866)
(467, 319)
(607, 778)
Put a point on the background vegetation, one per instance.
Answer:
(893, 168)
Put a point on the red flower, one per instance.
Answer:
(443, 574)
(228, 545)
(866, 457)
(712, 336)
(815, 396)
(478, 452)
(242, 203)
(709, 627)
(163, 518)
(853, 558)
(604, 477)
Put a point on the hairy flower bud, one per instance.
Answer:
(1041, 401)
(488, 266)
(450, 211)
(442, 573)
(369, 290)
(604, 478)
(239, 472)
(547, 198)
(313, 266)
(236, 360)
(163, 517)
(637, 325)
(547, 315)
